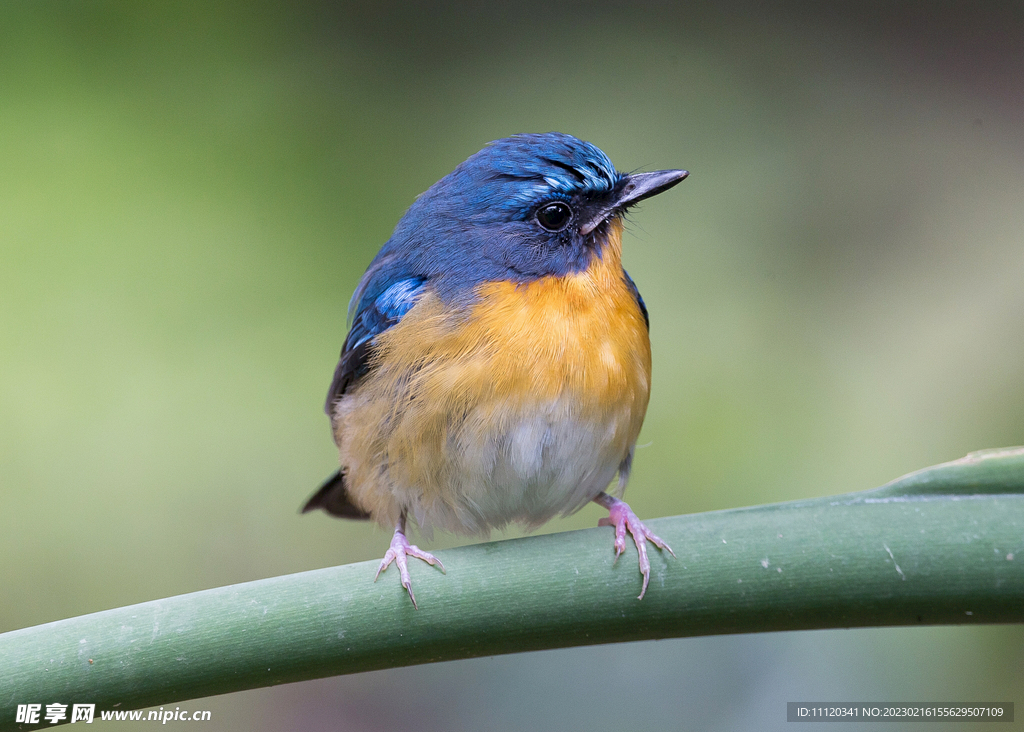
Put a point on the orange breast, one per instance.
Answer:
(430, 426)
(582, 333)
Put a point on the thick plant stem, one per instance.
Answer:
(942, 546)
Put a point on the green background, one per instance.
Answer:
(189, 194)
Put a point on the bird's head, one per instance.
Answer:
(524, 207)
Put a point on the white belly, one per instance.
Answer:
(526, 469)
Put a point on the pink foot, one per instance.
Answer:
(397, 553)
(621, 516)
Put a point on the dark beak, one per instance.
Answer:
(637, 188)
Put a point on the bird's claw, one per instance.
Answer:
(622, 518)
(399, 550)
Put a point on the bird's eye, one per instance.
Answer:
(554, 216)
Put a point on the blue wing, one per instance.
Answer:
(374, 317)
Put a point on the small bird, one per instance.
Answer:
(498, 366)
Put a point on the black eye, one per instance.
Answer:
(554, 216)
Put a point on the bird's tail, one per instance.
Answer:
(333, 497)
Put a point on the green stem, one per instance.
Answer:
(941, 546)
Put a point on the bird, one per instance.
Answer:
(497, 369)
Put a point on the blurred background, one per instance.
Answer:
(189, 193)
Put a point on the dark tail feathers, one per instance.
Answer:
(333, 497)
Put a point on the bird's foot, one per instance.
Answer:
(621, 516)
(397, 553)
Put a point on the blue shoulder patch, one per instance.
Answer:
(373, 318)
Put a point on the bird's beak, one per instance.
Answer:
(637, 188)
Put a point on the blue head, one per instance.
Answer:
(524, 207)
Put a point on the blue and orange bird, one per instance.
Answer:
(498, 366)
